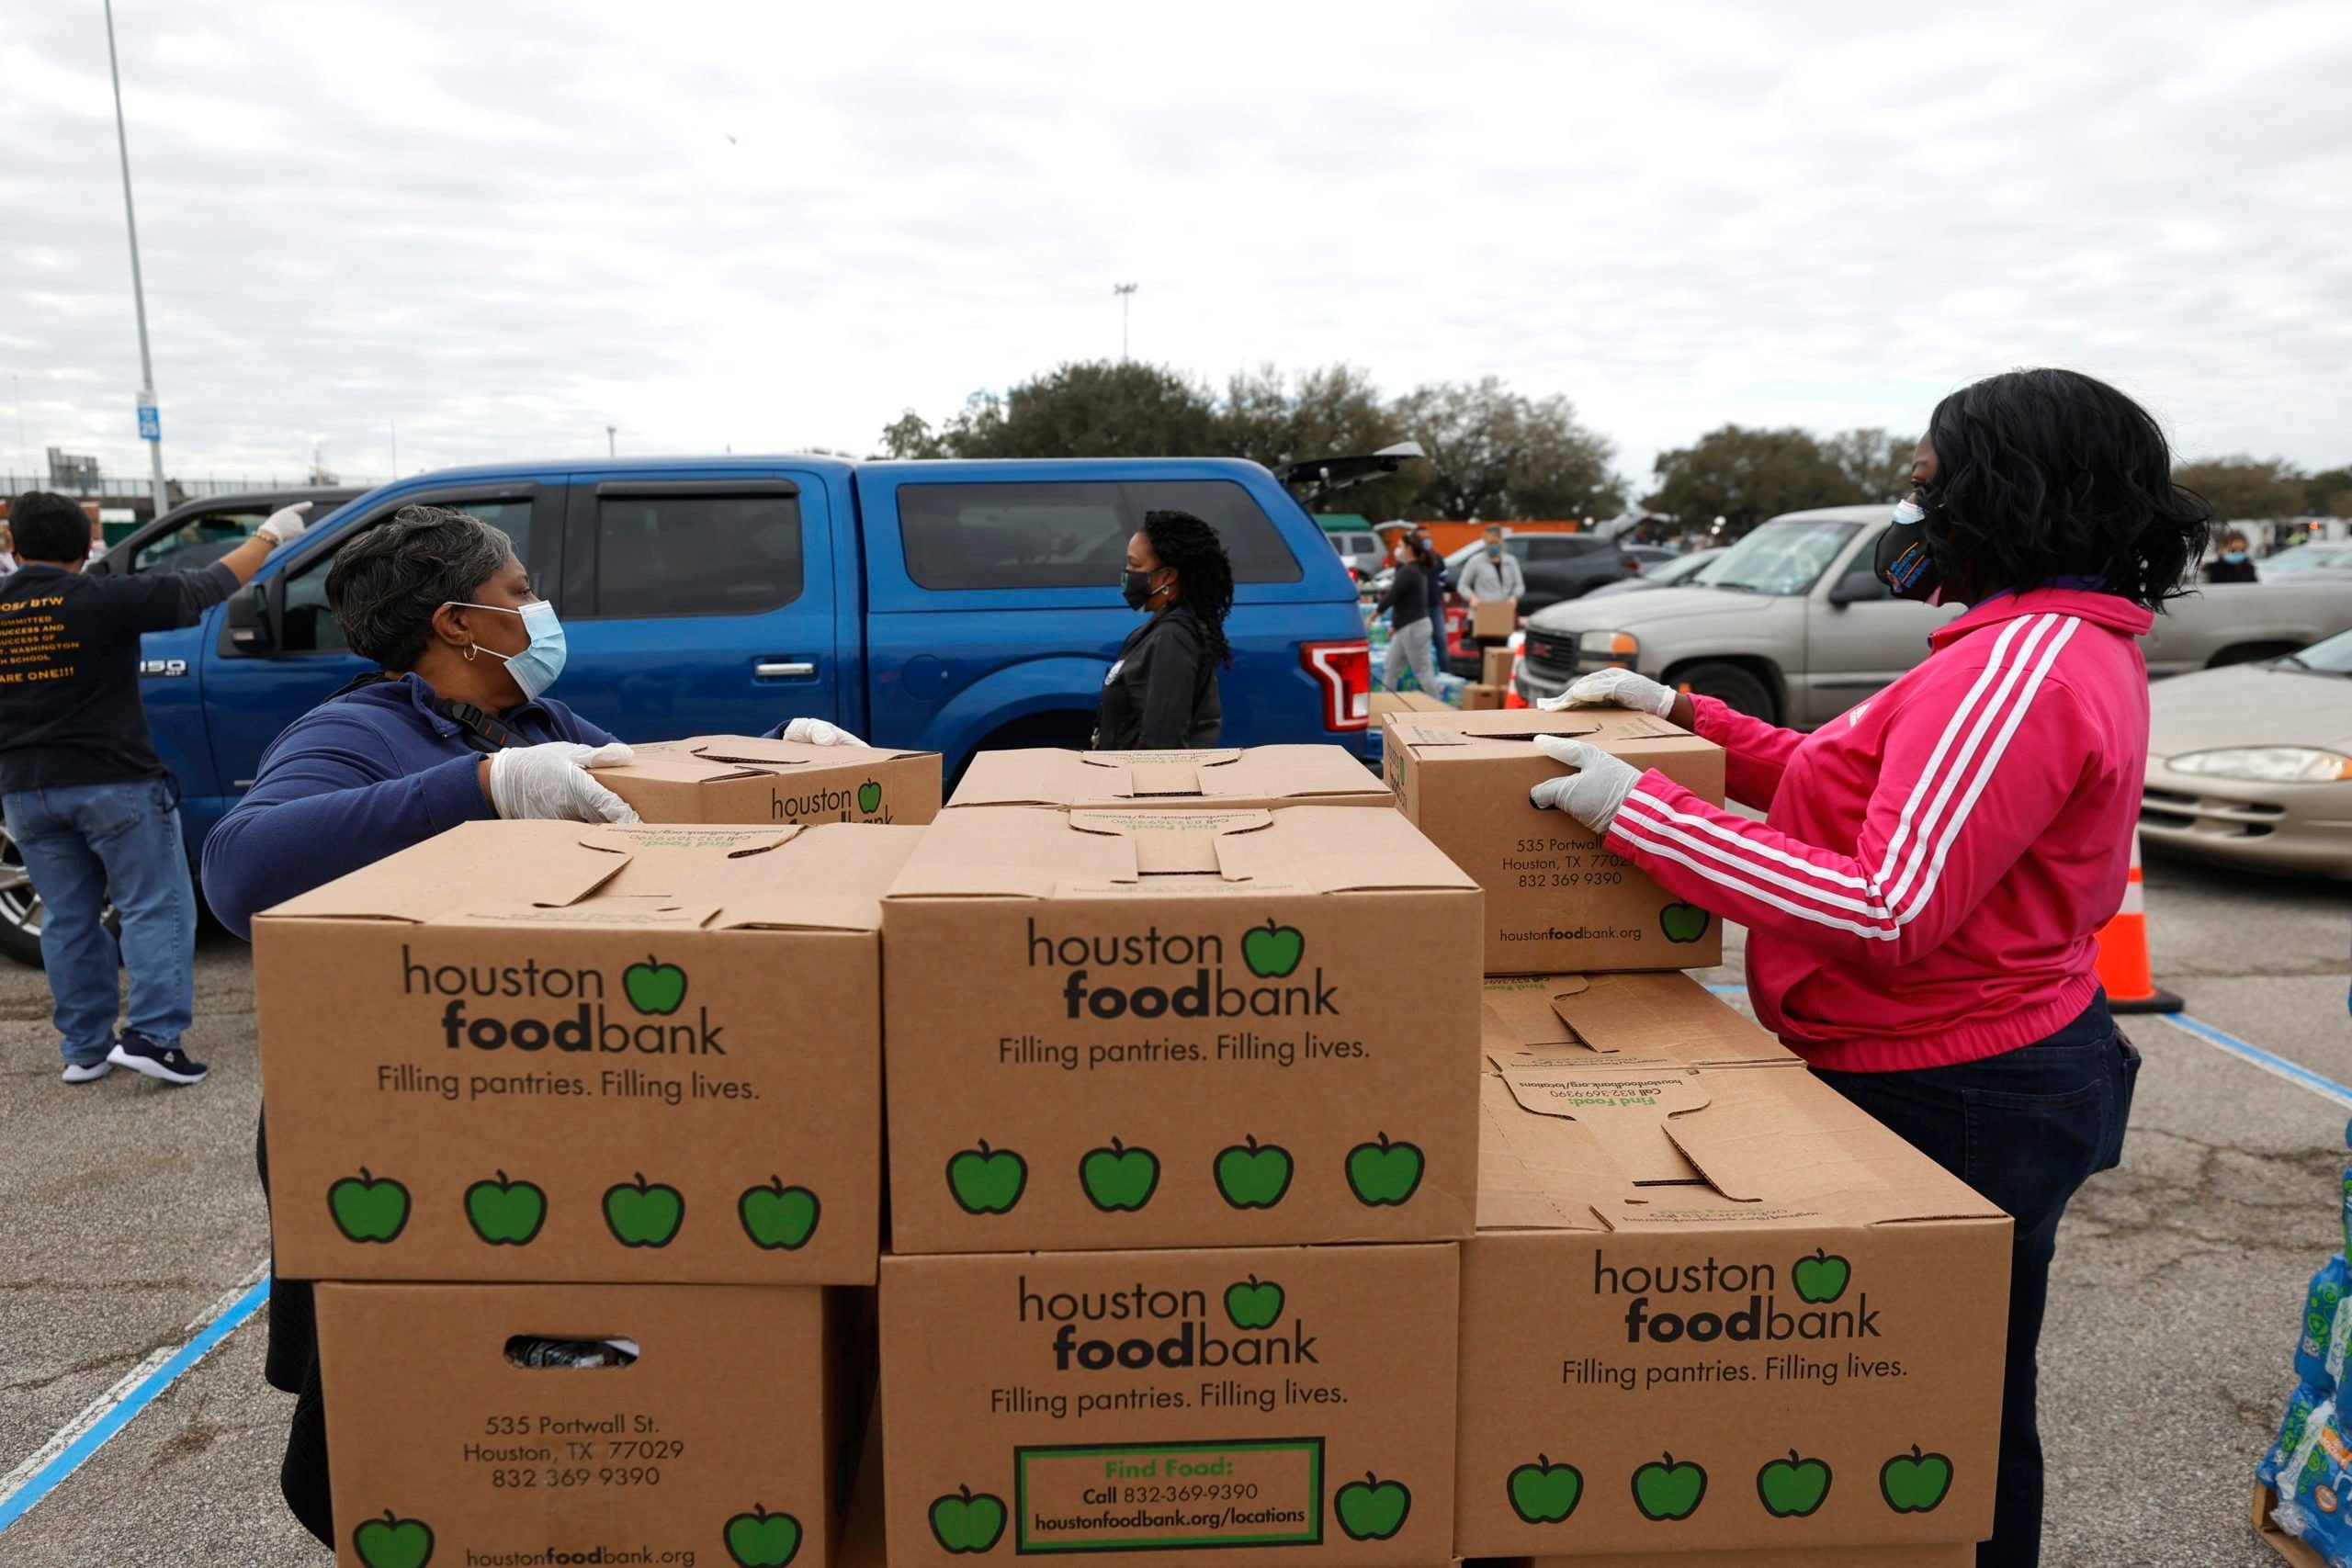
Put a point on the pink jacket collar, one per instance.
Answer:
(2109, 610)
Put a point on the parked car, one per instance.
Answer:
(2252, 765)
(947, 606)
(1674, 569)
(2332, 557)
(1360, 550)
(1792, 626)
(197, 533)
(1647, 558)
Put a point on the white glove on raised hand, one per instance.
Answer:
(817, 732)
(1613, 689)
(285, 524)
(552, 783)
(1593, 793)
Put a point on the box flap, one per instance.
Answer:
(541, 864)
(1672, 1145)
(707, 757)
(1491, 732)
(1043, 853)
(1211, 777)
(1626, 1019)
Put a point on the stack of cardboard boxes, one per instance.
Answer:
(582, 1125)
(1183, 1130)
(1712, 1313)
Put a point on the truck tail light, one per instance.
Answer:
(1345, 672)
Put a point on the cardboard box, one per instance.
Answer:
(1257, 777)
(732, 1438)
(2293, 1548)
(1556, 902)
(745, 778)
(1494, 617)
(1577, 1022)
(1946, 1554)
(1384, 703)
(1731, 1267)
(1234, 1406)
(865, 1542)
(1179, 1029)
(1478, 697)
(538, 1050)
(1495, 666)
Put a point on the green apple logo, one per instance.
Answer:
(369, 1208)
(1385, 1173)
(1119, 1179)
(1253, 1176)
(778, 1216)
(1821, 1277)
(1373, 1509)
(1273, 950)
(1793, 1488)
(869, 796)
(654, 986)
(761, 1540)
(640, 1215)
(986, 1180)
(1668, 1490)
(965, 1521)
(1253, 1304)
(1682, 922)
(393, 1543)
(506, 1213)
(1914, 1483)
(1544, 1493)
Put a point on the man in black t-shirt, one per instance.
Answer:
(84, 794)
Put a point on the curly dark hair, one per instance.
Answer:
(386, 584)
(2049, 473)
(1204, 574)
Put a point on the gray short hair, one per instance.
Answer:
(386, 584)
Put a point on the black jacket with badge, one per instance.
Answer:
(1162, 691)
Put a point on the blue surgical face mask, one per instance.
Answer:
(2235, 558)
(536, 668)
(1494, 552)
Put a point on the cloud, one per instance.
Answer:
(507, 226)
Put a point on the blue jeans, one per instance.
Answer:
(2025, 1128)
(82, 843)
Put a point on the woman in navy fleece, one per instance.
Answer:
(455, 728)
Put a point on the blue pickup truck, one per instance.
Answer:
(954, 606)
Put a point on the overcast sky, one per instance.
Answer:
(507, 225)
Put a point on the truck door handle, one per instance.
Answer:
(783, 668)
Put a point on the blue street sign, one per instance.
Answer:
(150, 421)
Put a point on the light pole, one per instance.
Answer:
(1126, 292)
(137, 286)
(612, 434)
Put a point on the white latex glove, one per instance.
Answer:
(1613, 689)
(285, 524)
(1593, 793)
(817, 732)
(552, 783)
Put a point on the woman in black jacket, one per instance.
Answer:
(1410, 601)
(1162, 691)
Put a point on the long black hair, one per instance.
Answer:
(1204, 575)
(2041, 474)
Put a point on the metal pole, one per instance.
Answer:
(1126, 291)
(395, 425)
(138, 285)
(611, 449)
(24, 450)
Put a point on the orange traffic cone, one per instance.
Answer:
(1511, 699)
(2123, 952)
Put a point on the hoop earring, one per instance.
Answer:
(469, 654)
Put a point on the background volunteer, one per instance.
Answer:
(1408, 601)
(86, 798)
(1161, 694)
(1924, 893)
(1494, 573)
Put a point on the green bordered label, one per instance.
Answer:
(1160, 1496)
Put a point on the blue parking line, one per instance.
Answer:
(2246, 1051)
(44, 1481)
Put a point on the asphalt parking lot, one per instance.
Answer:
(132, 1221)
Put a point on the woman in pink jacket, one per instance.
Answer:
(1924, 892)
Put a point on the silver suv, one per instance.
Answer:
(1792, 626)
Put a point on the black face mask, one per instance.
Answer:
(1903, 559)
(1135, 588)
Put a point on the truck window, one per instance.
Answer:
(310, 626)
(696, 555)
(1071, 535)
(201, 540)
